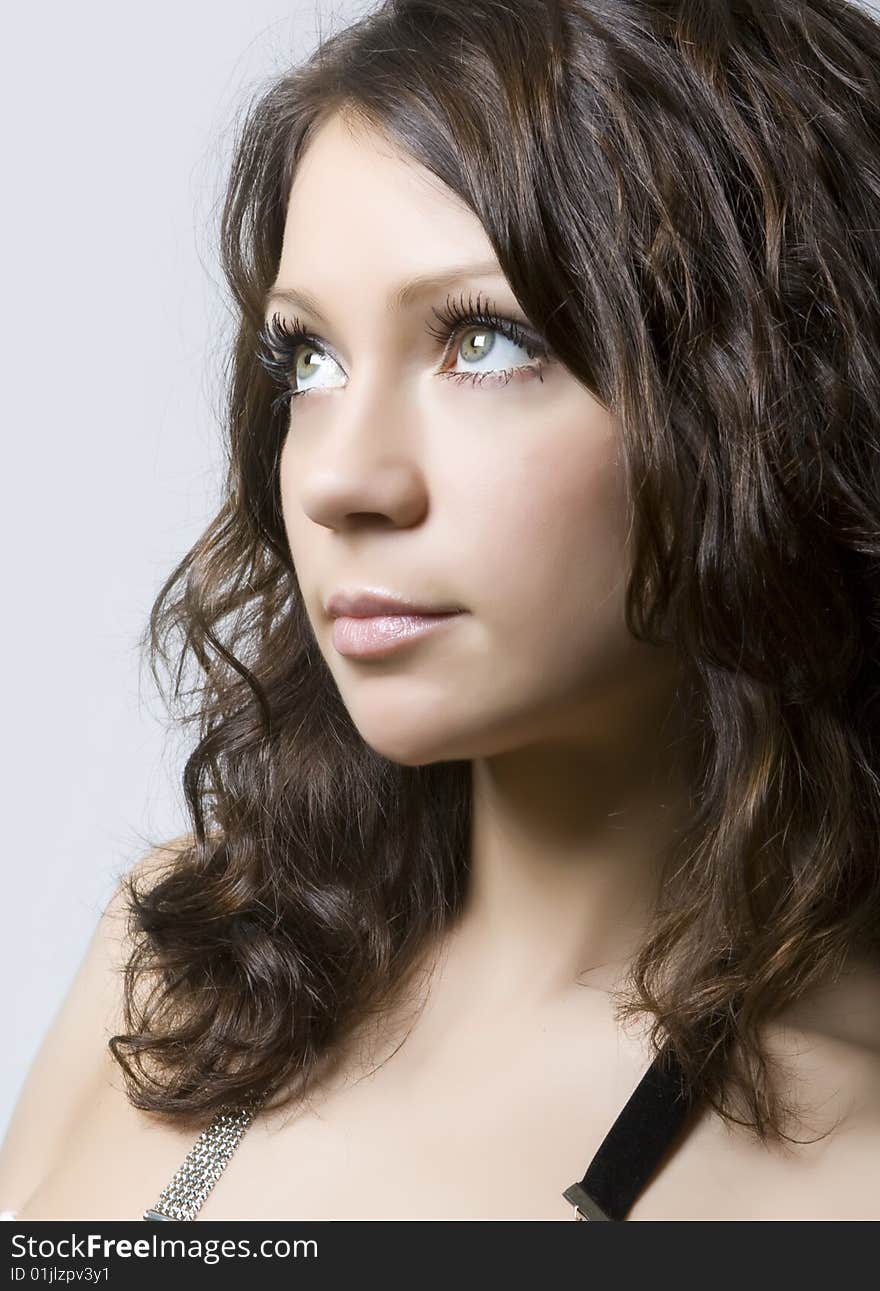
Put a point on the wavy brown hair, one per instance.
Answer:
(685, 199)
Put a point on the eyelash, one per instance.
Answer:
(279, 341)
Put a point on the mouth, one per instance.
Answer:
(367, 603)
(360, 636)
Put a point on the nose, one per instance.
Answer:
(360, 456)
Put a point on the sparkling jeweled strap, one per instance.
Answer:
(203, 1165)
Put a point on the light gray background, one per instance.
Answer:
(116, 127)
(117, 122)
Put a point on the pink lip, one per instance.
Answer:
(358, 636)
(363, 603)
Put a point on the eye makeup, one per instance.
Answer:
(280, 340)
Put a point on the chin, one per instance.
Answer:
(413, 752)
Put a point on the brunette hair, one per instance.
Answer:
(685, 198)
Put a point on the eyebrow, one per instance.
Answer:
(404, 296)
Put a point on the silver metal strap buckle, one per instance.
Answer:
(584, 1206)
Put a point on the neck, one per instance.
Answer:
(568, 841)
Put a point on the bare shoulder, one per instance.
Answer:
(830, 1045)
(73, 1063)
(825, 1060)
(831, 1040)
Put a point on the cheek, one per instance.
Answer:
(532, 540)
(297, 525)
(556, 552)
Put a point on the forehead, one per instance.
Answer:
(361, 205)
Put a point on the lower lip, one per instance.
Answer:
(383, 634)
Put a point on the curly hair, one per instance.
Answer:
(685, 198)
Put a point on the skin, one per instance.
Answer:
(514, 1065)
(508, 501)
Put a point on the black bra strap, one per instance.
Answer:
(652, 1118)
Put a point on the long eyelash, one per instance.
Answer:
(455, 314)
(279, 341)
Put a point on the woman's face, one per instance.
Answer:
(504, 499)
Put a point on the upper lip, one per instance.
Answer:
(364, 603)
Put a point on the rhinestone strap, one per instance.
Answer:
(185, 1195)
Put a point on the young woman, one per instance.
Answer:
(538, 765)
